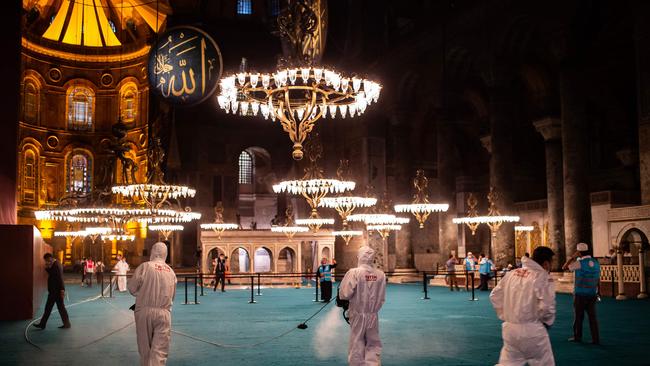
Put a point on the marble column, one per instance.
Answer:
(448, 161)
(642, 284)
(402, 187)
(619, 274)
(501, 169)
(551, 130)
(575, 152)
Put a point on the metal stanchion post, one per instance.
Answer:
(472, 278)
(317, 281)
(424, 285)
(110, 285)
(258, 285)
(102, 287)
(201, 279)
(186, 291)
(252, 291)
(613, 284)
(196, 300)
(466, 280)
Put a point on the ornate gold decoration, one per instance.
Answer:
(219, 226)
(289, 229)
(494, 219)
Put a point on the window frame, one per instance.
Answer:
(246, 168)
(74, 105)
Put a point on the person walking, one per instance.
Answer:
(121, 268)
(100, 267)
(484, 270)
(324, 274)
(220, 273)
(470, 263)
(154, 287)
(451, 272)
(525, 301)
(55, 292)
(90, 269)
(585, 292)
(365, 288)
(83, 272)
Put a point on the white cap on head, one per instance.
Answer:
(582, 247)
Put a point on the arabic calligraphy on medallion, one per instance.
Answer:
(185, 66)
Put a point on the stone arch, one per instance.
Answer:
(29, 174)
(129, 99)
(287, 260)
(212, 255)
(263, 260)
(240, 260)
(31, 96)
(630, 237)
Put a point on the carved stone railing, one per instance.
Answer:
(630, 273)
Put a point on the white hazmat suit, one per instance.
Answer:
(121, 268)
(154, 286)
(365, 288)
(525, 301)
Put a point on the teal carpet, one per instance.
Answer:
(446, 330)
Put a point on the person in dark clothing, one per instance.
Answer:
(56, 292)
(220, 272)
(324, 273)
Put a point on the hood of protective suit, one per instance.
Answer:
(530, 264)
(158, 252)
(366, 255)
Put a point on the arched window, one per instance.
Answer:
(80, 109)
(245, 168)
(79, 173)
(29, 177)
(274, 7)
(244, 7)
(30, 101)
(129, 103)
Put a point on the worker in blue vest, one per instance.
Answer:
(324, 274)
(587, 277)
(485, 266)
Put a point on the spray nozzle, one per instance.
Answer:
(302, 326)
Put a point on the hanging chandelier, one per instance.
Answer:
(384, 229)
(493, 219)
(313, 187)
(347, 235)
(345, 204)
(166, 230)
(218, 226)
(119, 237)
(420, 207)
(71, 234)
(289, 228)
(523, 228)
(156, 192)
(301, 93)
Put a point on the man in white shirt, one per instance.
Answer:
(525, 301)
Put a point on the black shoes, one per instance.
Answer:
(39, 326)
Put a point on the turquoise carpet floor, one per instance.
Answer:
(446, 330)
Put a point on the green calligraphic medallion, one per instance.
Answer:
(185, 66)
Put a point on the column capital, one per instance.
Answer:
(549, 127)
(486, 141)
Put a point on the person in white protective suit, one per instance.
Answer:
(154, 286)
(525, 301)
(121, 268)
(365, 288)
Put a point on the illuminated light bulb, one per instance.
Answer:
(343, 109)
(353, 109)
(304, 74)
(318, 75)
(345, 83)
(356, 84)
(234, 106)
(292, 76)
(265, 110)
(300, 112)
(255, 106)
(244, 108)
(333, 110)
(266, 80)
(254, 79)
(241, 78)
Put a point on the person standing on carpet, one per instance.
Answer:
(585, 293)
(365, 288)
(324, 273)
(121, 268)
(451, 272)
(220, 272)
(55, 292)
(90, 269)
(154, 287)
(99, 272)
(470, 264)
(484, 270)
(525, 301)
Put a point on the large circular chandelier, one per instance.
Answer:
(116, 215)
(299, 93)
(421, 208)
(345, 205)
(493, 219)
(313, 186)
(218, 226)
(166, 230)
(297, 97)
